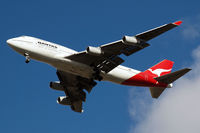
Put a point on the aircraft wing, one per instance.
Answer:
(74, 88)
(150, 34)
(106, 57)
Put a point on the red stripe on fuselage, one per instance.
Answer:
(145, 79)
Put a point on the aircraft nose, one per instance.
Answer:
(9, 42)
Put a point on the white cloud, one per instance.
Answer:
(140, 102)
(176, 111)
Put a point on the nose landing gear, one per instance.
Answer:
(27, 57)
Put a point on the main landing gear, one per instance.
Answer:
(27, 57)
(96, 75)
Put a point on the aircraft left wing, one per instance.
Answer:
(106, 57)
(74, 89)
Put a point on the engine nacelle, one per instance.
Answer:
(130, 40)
(64, 100)
(94, 51)
(56, 86)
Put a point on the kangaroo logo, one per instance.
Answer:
(159, 71)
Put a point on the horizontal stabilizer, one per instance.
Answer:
(156, 91)
(150, 34)
(171, 77)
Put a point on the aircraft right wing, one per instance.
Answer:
(106, 57)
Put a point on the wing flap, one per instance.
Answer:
(107, 64)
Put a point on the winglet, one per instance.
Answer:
(177, 23)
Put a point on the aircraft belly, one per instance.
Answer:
(119, 74)
(42, 55)
(73, 67)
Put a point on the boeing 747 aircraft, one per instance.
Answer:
(79, 70)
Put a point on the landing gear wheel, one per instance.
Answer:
(27, 60)
(96, 75)
(27, 57)
(99, 78)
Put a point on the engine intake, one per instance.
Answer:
(56, 86)
(64, 100)
(130, 40)
(94, 51)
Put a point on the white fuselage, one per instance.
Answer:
(55, 55)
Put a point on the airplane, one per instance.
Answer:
(79, 71)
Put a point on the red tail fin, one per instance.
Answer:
(162, 68)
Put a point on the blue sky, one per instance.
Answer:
(27, 102)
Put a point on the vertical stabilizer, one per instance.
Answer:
(162, 68)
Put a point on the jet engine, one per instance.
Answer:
(94, 51)
(56, 86)
(130, 40)
(64, 100)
